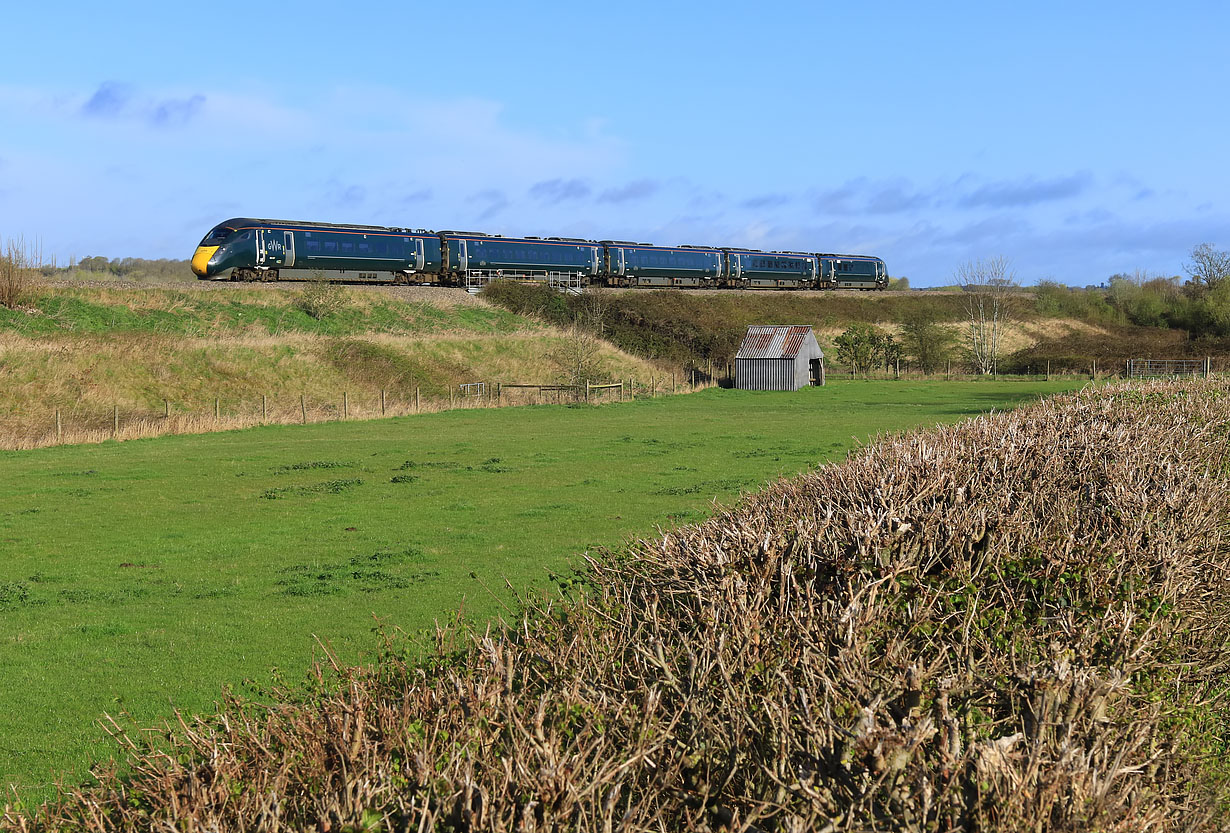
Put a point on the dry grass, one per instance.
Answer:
(1016, 624)
(87, 378)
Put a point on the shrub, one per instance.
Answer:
(321, 299)
(17, 266)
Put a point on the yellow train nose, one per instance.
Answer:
(200, 260)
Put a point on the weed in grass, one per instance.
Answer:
(14, 594)
(312, 465)
(430, 464)
(331, 487)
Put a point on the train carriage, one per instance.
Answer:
(852, 272)
(643, 264)
(272, 249)
(754, 269)
(473, 258)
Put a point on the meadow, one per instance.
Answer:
(143, 577)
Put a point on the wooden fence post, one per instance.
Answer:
(115, 429)
(166, 409)
(217, 410)
(948, 371)
(345, 404)
(382, 403)
(416, 400)
(59, 427)
(1048, 370)
(303, 408)
(264, 407)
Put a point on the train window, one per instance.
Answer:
(330, 246)
(313, 246)
(347, 248)
(365, 249)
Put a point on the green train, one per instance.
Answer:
(246, 249)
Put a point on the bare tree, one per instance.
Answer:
(988, 286)
(591, 312)
(1208, 266)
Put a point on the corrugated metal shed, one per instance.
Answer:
(778, 358)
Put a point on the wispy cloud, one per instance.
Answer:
(559, 190)
(765, 201)
(421, 195)
(490, 201)
(116, 100)
(174, 112)
(108, 101)
(345, 195)
(637, 190)
(1026, 192)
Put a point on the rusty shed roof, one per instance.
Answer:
(774, 342)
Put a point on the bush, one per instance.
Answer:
(321, 299)
(17, 267)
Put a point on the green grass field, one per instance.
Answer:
(145, 576)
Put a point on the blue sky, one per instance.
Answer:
(1077, 139)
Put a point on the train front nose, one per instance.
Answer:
(201, 258)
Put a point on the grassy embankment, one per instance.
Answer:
(1018, 623)
(145, 576)
(1068, 328)
(87, 351)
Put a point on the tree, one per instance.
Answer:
(863, 346)
(577, 356)
(1208, 267)
(929, 342)
(988, 286)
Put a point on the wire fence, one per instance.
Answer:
(92, 422)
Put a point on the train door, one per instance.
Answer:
(619, 263)
(420, 258)
(288, 243)
(735, 266)
(270, 248)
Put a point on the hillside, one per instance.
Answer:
(1068, 328)
(88, 350)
